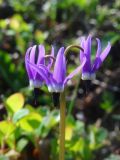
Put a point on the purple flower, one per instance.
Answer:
(36, 55)
(55, 80)
(89, 69)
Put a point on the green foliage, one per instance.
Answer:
(83, 143)
(9, 71)
(20, 114)
(14, 103)
(28, 124)
(48, 122)
(2, 157)
(7, 129)
(96, 136)
(107, 102)
(21, 144)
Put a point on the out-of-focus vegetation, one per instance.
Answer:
(23, 126)
(31, 132)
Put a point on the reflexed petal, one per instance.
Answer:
(60, 67)
(87, 47)
(32, 54)
(105, 52)
(41, 54)
(98, 47)
(87, 51)
(27, 55)
(41, 70)
(76, 71)
(96, 65)
(87, 67)
(29, 72)
(97, 62)
(81, 52)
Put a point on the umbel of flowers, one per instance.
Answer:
(41, 74)
(53, 73)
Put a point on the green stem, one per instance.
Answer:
(62, 113)
(62, 126)
(74, 96)
(77, 86)
(72, 46)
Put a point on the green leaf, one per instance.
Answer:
(78, 145)
(30, 122)
(6, 128)
(97, 137)
(11, 141)
(107, 102)
(70, 124)
(48, 123)
(20, 114)
(21, 144)
(52, 119)
(14, 103)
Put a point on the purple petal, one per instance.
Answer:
(53, 86)
(76, 71)
(87, 51)
(99, 59)
(27, 55)
(32, 54)
(41, 70)
(29, 72)
(60, 67)
(41, 54)
(81, 52)
(97, 62)
(105, 52)
(98, 47)
(87, 48)
(96, 65)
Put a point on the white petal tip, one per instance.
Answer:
(56, 88)
(88, 76)
(35, 83)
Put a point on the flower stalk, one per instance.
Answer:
(73, 46)
(62, 126)
(62, 113)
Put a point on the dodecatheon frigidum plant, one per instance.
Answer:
(36, 56)
(55, 80)
(90, 68)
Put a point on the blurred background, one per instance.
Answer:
(29, 131)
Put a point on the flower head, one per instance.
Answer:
(36, 55)
(55, 80)
(89, 69)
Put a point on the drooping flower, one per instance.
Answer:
(56, 80)
(36, 55)
(90, 68)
